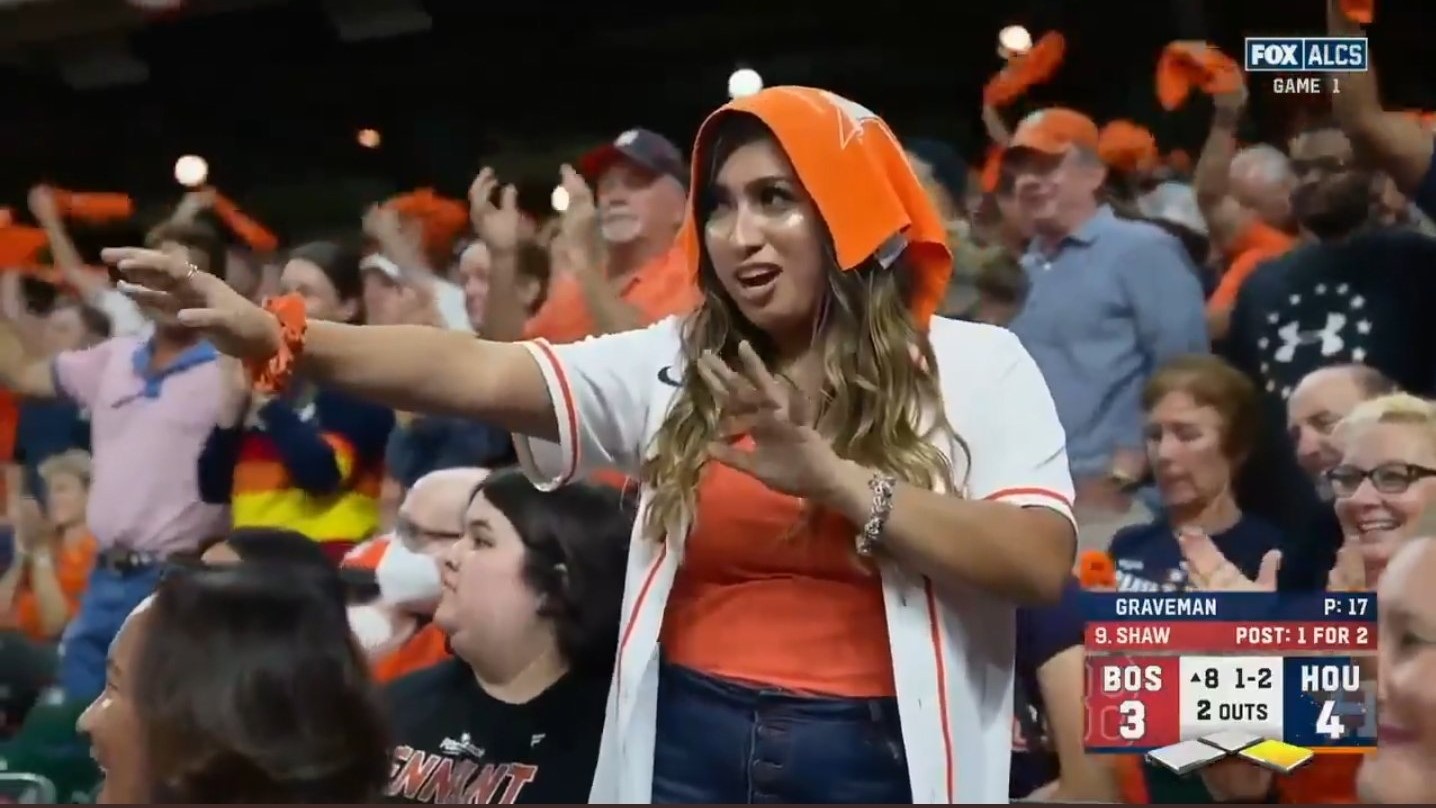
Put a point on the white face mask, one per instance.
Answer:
(374, 626)
(408, 580)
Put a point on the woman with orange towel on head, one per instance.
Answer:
(818, 437)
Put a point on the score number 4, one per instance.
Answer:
(1134, 720)
(1326, 722)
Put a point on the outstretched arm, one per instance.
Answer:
(432, 370)
(415, 368)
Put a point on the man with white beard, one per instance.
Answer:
(1317, 403)
(614, 261)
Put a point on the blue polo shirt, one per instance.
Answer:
(1107, 306)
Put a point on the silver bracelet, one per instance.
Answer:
(881, 484)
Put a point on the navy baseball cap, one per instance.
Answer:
(644, 147)
(948, 168)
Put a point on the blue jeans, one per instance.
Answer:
(108, 600)
(723, 742)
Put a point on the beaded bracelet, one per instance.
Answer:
(881, 484)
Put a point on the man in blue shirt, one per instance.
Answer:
(1110, 301)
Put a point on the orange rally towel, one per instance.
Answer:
(1127, 146)
(857, 175)
(1359, 11)
(1095, 570)
(20, 246)
(992, 169)
(93, 206)
(441, 220)
(245, 228)
(1027, 70)
(1184, 66)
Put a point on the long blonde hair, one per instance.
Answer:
(876, 393)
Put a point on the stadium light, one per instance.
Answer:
(191, 171)
(744, 81)
(1014, 40)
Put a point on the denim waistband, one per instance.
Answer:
(775, 701)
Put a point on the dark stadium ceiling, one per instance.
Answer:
(274, 90)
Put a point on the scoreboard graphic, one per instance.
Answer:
(1188, 679)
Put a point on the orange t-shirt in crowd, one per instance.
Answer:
(73, 563)
(427, 647)
(764, 597)
(1257, 243)
(659, 288)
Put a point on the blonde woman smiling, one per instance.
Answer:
(835, 594)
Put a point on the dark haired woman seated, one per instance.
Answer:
(531, 599)
(238, 684)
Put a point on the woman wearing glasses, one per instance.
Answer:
(1386, 479)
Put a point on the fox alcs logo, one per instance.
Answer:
(1322, 54)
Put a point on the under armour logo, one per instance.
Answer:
(1329, 336)
(626, 138)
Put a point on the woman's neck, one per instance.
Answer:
(1213, 516)
(528, 682)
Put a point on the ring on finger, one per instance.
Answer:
(190, 269)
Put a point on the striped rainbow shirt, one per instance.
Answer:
(310, 465)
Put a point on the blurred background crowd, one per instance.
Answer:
(1226, 290)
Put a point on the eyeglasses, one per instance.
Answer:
(416, 538)
(1388, 478)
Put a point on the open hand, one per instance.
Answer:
(578, 228)
(788, 454)
(1210, 571)
(32, 529)
(497, 223)
(167, 283)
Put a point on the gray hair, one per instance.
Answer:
(1173, 202)
(1265, 162)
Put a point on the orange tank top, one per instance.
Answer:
(762, 593)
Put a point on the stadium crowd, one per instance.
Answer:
(769, 473)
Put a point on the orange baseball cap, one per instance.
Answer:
(1055, 130)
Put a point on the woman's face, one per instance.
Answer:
(321, 299)
(487, 609)
(1380, 488)
(1399, 771)
(112, 723)
(1184, 444)
(765, 239)
(474, 265)
(66, 497)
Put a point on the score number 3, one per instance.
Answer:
(1134, 720)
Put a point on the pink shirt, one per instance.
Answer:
(146, 432)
